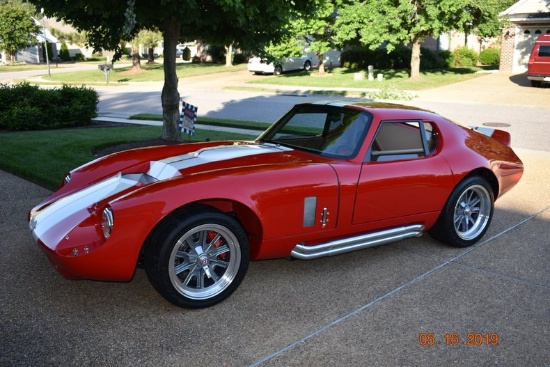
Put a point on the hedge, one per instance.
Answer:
(399, 58)
(490, 56)
(27, 107)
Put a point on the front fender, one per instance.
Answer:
(276, 195)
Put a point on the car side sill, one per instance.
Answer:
(304, 252)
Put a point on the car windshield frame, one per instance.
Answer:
(325, 130)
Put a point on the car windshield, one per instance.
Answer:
(325, 130)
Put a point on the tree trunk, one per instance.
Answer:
(415, 59)
(170, 96)
(150, 56)
(229, 55)
(321, 64)
(136, 59)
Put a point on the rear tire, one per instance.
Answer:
(278, 70)
(466, 215)
(199, 259)
(307, 66)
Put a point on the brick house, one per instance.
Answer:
(529, 19)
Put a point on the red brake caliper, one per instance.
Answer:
(218, 243)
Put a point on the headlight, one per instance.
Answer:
(66, 180)
(107, 222)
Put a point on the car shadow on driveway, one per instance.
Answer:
(522, 81)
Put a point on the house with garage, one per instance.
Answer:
(528, 20)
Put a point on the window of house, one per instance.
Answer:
(397, 140)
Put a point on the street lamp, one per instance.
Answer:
(45, 41)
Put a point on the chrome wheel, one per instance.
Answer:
(472, 212)
(197, 257)
(204, 261)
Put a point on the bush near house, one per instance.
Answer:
(64, 54)
(27, 107)
(399, 58)
(465, 57)
(490, 56)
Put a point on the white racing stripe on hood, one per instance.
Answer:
(216, 154)
(58, 219)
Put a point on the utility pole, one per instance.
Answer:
(45, 41)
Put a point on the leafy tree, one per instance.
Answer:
(478, 17)
(108, 22)
(386, 23)
(17, 27)
(149, 39)
(312, 30)
(389, 23)
(318, 28)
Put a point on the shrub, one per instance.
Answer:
(490, 56)
(64, 54)
(399, 58)
(239, 59)
(465, 57)
(433, 60)
(27, 107)
(217, 53)
(79, 57)
(186, 55)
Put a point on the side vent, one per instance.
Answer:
(310, 208)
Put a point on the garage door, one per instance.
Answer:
(525, 39)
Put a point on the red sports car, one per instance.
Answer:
(325, 179)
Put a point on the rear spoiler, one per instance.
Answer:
(501, 136)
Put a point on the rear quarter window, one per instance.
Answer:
(397, 140)
(544, 51)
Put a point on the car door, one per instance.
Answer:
(402, 174)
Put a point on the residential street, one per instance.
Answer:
(412, 303)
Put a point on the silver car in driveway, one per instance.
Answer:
(258, 65)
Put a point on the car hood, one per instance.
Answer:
(221, 157)
(58, 215)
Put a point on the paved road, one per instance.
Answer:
(524, 109)
(377, 307)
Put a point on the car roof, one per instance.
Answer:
(377, 107)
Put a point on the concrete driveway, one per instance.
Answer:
(404, 304)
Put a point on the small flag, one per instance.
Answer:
(188, 118)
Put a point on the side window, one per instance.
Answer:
(544, 51)
(398, 140)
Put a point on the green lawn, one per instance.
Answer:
(344, 78)
(240, 124)
(42, 67)
(153, 73)
(44, 157)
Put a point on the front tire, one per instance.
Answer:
(307, 66)
(466, 215)
(278, 70)
(197, 261)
